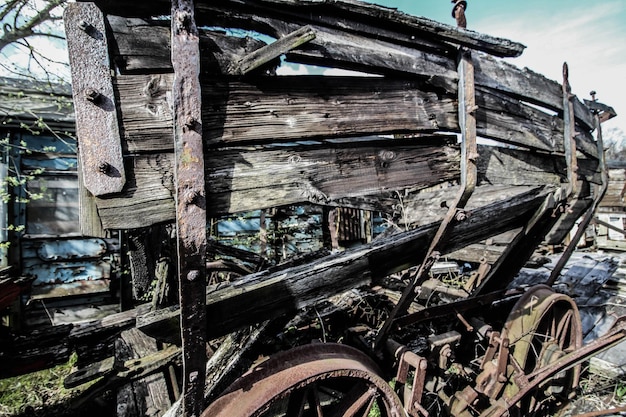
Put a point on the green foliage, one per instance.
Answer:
(38, 389)
(13, 187)
(620, 391)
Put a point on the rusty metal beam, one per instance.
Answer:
(588, 217)
(97, 128)
(469, 176)
(190, 202)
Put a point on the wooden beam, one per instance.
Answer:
(267, 294)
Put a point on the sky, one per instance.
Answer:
(590, 35)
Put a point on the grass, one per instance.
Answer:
(33, 393)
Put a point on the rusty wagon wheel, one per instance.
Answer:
(542, 327)
(313, 380)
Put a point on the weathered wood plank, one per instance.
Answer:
(517, 167)
(147, 198)
(527, 85)
(316, 107)
(243, 179)
(426, 207)
(145, 396)
(142, 45)
(361, 16)
(268, 294)
(258, 111)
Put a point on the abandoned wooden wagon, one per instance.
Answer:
(183, 116)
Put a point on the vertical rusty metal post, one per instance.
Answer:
(190, 202)
(569, 139)
(469, 176)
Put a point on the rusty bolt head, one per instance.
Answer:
(92, 95)
(193, 275)
(104, 168)
(190, 122)
(83, 25)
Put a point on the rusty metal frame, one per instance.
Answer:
(529, 382)
(469, 177)
(412, 390)
(97, 128)
(191, 221)
(588, 217)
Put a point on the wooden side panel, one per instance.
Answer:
(242, 179)
(294, 108)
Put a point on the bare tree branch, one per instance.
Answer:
(24, 23)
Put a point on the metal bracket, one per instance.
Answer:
(412, 397)
(97, 129)
(569, 139)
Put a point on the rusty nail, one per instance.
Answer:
(104, 167)
(83, 25)
(92, 95)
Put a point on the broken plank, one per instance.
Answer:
(267, 294)
(243, 179)
(359, 15)
(272, 51)
(144, 396)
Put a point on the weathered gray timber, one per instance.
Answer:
(209, 128)
(41, 349)
(145, 396)
(270, 293)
